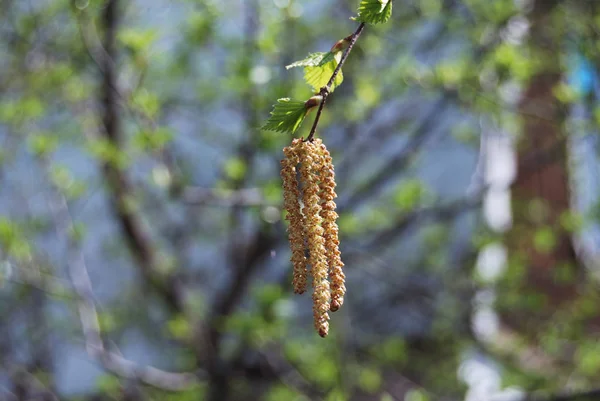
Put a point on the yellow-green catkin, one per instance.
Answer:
(310, 165)
(330, 229)
(310, 206)
(291, 199)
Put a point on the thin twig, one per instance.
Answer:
(324, 92)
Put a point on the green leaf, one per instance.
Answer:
(349, 223)
(336, 394)
(416, 395)
(61, 177)
(386, 397)
(409, 194)
(280, 392)
(235, 168)
(268, 295)
(272, 191)
(287, 115)
(153, 140)
(313, 60)
(391, 351)
(319, 76)
(108, 385)
(146, 102)
(374, 11)
(22, 110)
(318, 69)
(108, 152)
(544, 240)
(137, 40)
(42, 144)
(587, 357)
(13, 240)
(369, 380)
(107, 321)
(179, 327)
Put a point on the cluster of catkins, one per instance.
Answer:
(313, 231)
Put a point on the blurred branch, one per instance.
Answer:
(438, 212)
(243, 256)
(25, 385)
(536, 160)
(361, 138)
(290, 375)
(226, 302)
(249, 98)
(422, 132)
(91, 40)
(511, 350)
(88, 315)
(590, 395)
(46, 283)
(104, 60)
(245, 197)
(140, 243)
(420, 135)
(138, 238)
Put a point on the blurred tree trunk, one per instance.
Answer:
(538, 243)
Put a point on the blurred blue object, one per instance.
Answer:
(584, 155)
(582, 75)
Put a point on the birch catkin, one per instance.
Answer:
(310, 161)
(313, 227)
(291, 195)
(334, 260)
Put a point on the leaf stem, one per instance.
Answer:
(325, 90)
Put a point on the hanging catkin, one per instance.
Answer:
(329, 216)
(313, 229)
(291, 198)
(310, 161)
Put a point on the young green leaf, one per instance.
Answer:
(287, 116)
(374, 11)
(318, 69)
(319, 76)
(313, 60)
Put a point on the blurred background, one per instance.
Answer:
(143, 251)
